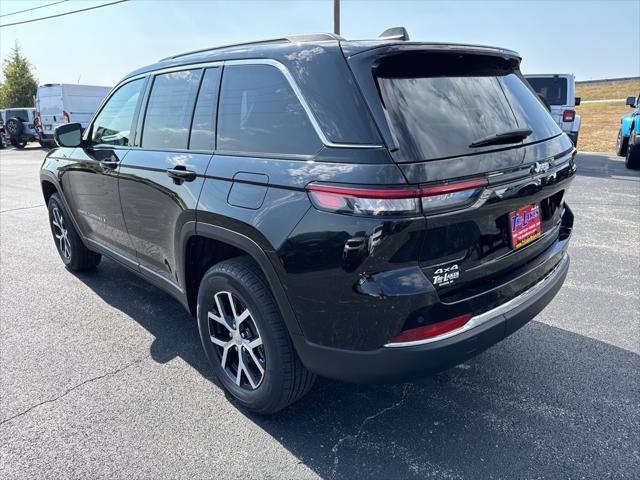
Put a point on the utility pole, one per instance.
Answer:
(336, 17)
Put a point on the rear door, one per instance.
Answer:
(49, 105)
(490, 206)
(161, 178)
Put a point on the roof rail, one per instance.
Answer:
(313, 37)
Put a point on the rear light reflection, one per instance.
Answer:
(394, 201)
(431, 331)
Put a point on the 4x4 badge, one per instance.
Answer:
(446, 275)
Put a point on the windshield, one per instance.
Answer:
(439, 105)
(553, 89)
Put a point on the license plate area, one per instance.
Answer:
(525, 225)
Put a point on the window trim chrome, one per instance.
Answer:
(253, 61)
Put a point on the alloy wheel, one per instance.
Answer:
(238, 343)
(61, 233)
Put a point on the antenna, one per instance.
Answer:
(394, 33)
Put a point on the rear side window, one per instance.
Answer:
(169, 110)
(203, 128)
(260, 113)
(553, 89)
(438, 105)
(112, 126)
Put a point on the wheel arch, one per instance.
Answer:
(48, 189)
(626, 126)
(204, 245)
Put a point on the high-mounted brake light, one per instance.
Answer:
(393, 201)
(431, 331)
(568, 115)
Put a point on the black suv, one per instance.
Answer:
(361, 210)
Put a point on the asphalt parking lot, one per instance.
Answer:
(103, 375)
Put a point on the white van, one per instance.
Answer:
(558, 91)
(59, 103)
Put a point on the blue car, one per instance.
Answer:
(628, 144)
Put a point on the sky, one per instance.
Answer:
(592, 39)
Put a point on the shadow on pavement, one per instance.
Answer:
(543, 403)
(603, 166)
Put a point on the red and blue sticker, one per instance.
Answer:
(525, 225)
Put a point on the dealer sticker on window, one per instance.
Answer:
(525, 225)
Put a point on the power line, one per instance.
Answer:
(34, 8)
(63, 14)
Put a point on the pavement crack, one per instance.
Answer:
(69, 390)
(338, 444)
(21, 208)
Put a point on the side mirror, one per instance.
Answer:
(68, 135)
(631, 101)
(577, 101)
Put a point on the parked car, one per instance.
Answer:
(19, 126)
(628, 143)
(60, 103)
(2, 132)
(361, 210)
(558, 92)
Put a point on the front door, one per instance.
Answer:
(93, 173)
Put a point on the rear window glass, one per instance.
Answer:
(168, 117)
(438, 105)
(553, 89)
(22, 115)
(260, 113)
(203, 127)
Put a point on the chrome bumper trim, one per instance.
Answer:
(491, 314)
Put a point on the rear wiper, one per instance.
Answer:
(512, 136)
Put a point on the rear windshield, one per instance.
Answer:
(553, 89)
(22, 115)
(438, 105)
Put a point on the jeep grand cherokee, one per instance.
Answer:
(362, 210)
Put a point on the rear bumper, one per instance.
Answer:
(573, 136)
(405, 362)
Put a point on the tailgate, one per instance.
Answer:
(469, 130)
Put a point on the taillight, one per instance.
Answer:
(39, 119)
(568, 115)
(66, 117)
(431, 331)
(452, 195)
(394, 201)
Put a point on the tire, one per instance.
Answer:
(622, 144)
(284, 379)
(72, 251)
(632, 160)
(18, 143)
(14, 127)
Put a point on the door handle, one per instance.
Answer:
(181, 175)
(111, 164)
